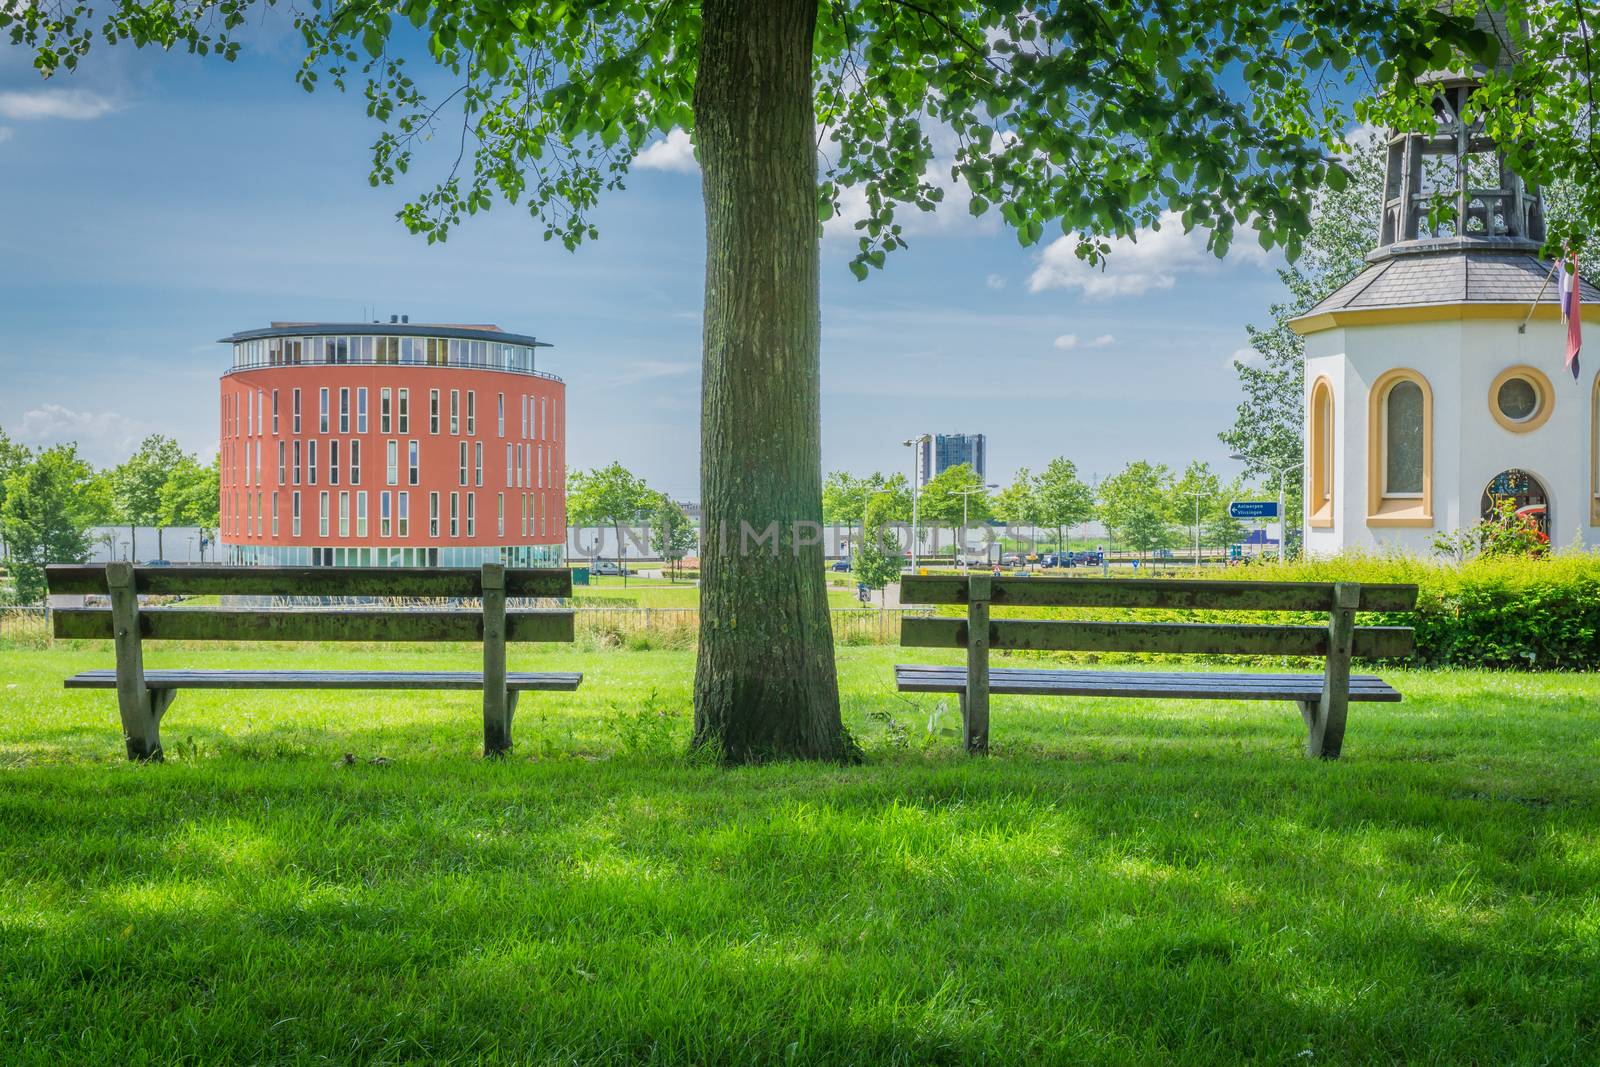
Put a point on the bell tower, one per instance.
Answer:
(1453, 182)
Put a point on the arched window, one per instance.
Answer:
(1319, 445)
(1400, 451)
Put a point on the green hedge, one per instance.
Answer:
(1492, 613)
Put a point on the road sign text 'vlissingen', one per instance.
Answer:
(1253, 509)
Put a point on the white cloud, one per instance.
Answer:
(103, 437)
(995, 281)
(1153, 259)
(674, 153)
(1248, 356)
(1068, 341)
(646, 370)
(1364, 135)
(5, 134)
(952, 216)
(53, 104)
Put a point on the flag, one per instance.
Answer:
(1571, 312)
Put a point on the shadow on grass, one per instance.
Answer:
(1197, 901)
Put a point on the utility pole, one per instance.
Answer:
(916, 491)
(966, 496)
(1197, 493)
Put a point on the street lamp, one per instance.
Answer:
(1197, 495)
(1283, 516)
(912, 444)
(965, 495)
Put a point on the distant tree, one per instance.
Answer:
(672, 533)
(136, 486)
(1063, 500)
(50, 503)
(13, 457)
(1194, 500)
(878, 558)
(608, 496)
(895, 494)
(951, 495)
(190, 495)
(1134, 505)
(1018, 504)
(844, 498)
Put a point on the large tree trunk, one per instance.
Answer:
(764, 683)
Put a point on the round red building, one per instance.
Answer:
(392, 444)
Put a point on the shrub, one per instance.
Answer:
(1490, 612)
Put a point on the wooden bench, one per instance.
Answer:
(144, 696)
(1323, 698)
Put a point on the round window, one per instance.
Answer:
(1521, 398)
(1518, 399)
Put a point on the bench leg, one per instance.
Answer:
(141, 722)
(1325, 717)
(1325, 724)
(497, 725)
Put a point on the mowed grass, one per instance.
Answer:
(1121, 882)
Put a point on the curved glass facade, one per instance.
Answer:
(383, 349)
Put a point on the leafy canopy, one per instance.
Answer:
(1093, 118)
(953, 495)
(608, 496)
(1062, 499)
(51, 500)
(137, 484)
(1134, 505)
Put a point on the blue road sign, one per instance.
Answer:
(1253, 509)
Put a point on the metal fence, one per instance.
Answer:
(850, 625)
(24, 623)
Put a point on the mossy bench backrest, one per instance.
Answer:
(1370, 642)
(351, 623)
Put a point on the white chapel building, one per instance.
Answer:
(1426, 398)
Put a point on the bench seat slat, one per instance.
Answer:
(1293, 683)
(541, 681)
(917, 678)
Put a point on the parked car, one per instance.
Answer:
(840, 564)
(1088, 559)
(1049, 559)
(608, 567)
(1012, 559)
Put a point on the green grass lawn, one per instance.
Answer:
(1121, 882)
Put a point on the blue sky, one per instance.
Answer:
(157, 202)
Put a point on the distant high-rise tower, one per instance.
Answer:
(939, 452)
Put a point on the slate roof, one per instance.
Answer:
(1450, 277)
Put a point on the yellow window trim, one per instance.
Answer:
(1398, 510)
(1321, 440)
(1541, 385)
